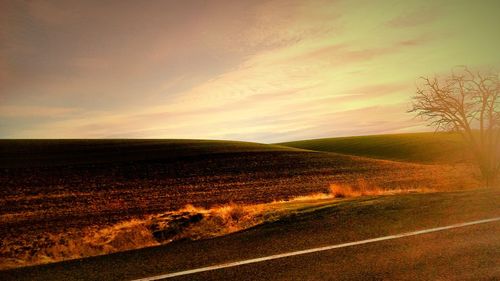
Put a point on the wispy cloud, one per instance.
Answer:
(252, 70)
(34, 111)
(427, 14)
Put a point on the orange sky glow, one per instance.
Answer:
(265, 71)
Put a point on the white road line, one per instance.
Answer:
(320, 249)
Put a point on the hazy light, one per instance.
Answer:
(259, 71)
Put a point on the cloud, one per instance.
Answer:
(250, 70)
(10, 111)
(90, 63)
(48, 12)
(419, 16)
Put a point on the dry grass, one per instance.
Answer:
(363, 188)
(225, 219)
(187, 223)
(50, 247)
(190, 222)
(311, 197)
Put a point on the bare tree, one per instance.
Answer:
(469, 103)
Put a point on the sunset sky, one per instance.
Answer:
(264, 71)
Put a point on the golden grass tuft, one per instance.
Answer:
(363, 188)
(132, 234)
(310, 197)
(126, 235)
(224, 219)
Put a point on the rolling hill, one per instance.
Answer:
(66, 186)
(83, 181)
(414, 147)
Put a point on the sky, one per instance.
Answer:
(265, 71)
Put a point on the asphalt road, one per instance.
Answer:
(470, 253)
(467, 253)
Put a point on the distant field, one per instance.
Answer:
(51, 153)
(54, 186)
(415, 147)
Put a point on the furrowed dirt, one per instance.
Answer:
(66, 186)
